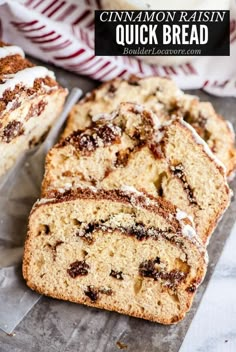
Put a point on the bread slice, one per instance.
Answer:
(30, 101)
(164, 97)
(115, 250)
(131, 147)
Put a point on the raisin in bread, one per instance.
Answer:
(164, 97)
(131, 147)
(115, 250)
(30, 101)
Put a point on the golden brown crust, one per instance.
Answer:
(111, 308)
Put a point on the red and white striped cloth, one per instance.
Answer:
(62, 32)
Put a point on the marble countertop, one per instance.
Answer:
(213, 328)
(57, 326)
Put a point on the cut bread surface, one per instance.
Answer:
(161, 95)
(116, 250)
(131, 147)
(30, 101)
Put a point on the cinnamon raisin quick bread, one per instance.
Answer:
(162, 96)
(131, 147)
(30, 101)
(115, 250)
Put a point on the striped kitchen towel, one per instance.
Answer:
(62, 32)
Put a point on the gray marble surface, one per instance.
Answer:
(62, 326)
(213, 328)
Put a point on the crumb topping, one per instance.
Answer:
(12, 64)
(92, 139)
